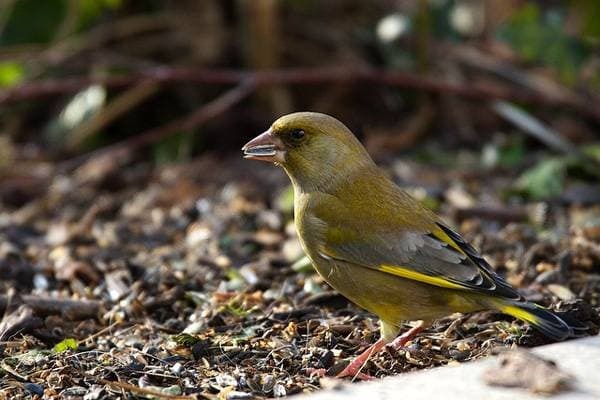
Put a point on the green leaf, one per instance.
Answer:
(541, 38)
(185, 339)
(545, 180)
(303, 266)
(67, 344)
(83, 106)
(91, 10)
(236, 309)
(176, 147)
(33, 21)
(311, 286)
(512, 153)
(172, 390)
(592, 150)
(589, 11)
(11, 74)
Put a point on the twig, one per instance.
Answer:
(5, 15)
(504, 215)
(414, 129)
(262, 41)
(119, 106)
(165, 75)
(71, 309)
(20, 320)
(534, 127)
(123, 150)
(95, 38)
(475, 58)
(100, 332)
(151, 392)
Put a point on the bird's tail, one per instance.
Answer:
(539, 317)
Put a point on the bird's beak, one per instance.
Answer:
(265, 147)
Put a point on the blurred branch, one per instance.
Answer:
(69, 22)
(476, 91)
(501, 214)
(474, 58)
(534, 127)
(205, 113)
(39, 58)
(127, 388)
(119, 106)
(5, 14)
(413, 129)
(262, 44)
(69, 308)
(545, 134)
(119, 153)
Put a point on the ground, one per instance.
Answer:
(188, 279)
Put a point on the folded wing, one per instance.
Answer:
(440, 257)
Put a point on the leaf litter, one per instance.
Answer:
(179, 283)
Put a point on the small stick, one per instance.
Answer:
(122, 150)
(42, 88)
(100, 332)
(504, 215)
(71, 309)
(151, 392)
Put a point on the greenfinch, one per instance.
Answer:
(374, 243)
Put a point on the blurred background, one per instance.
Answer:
(80, 75)
(124, 197)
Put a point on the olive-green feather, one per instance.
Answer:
(377, 245)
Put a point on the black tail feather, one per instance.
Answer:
(544, 320)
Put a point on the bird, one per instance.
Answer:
(378, 246)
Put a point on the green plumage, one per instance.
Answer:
(374, 243)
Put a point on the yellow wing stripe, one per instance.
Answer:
(417, 276)
(443, 236)
(520, 314)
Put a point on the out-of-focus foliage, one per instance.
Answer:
(545, 180)
(11, 73)
(539, 36)
(176, 147)
(34, 21)
(66, 344)
(79, 109)
(90, 10)
(590, 12)
(59, 39)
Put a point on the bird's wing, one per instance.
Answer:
(440, 257)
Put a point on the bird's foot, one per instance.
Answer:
(354, 368)
(406, 337)
(361, 376)
(322, 373)
(316, 372)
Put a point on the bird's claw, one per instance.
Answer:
(352, 371)
(316, 372)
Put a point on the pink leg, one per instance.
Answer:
(353, 369)
(407, 336)
(318, 372)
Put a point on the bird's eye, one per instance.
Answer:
(297, 134)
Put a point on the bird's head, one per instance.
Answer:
(314, 149)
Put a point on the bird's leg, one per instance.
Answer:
(407, 336)
(353, 369)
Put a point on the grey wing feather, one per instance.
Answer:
(427, 254)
